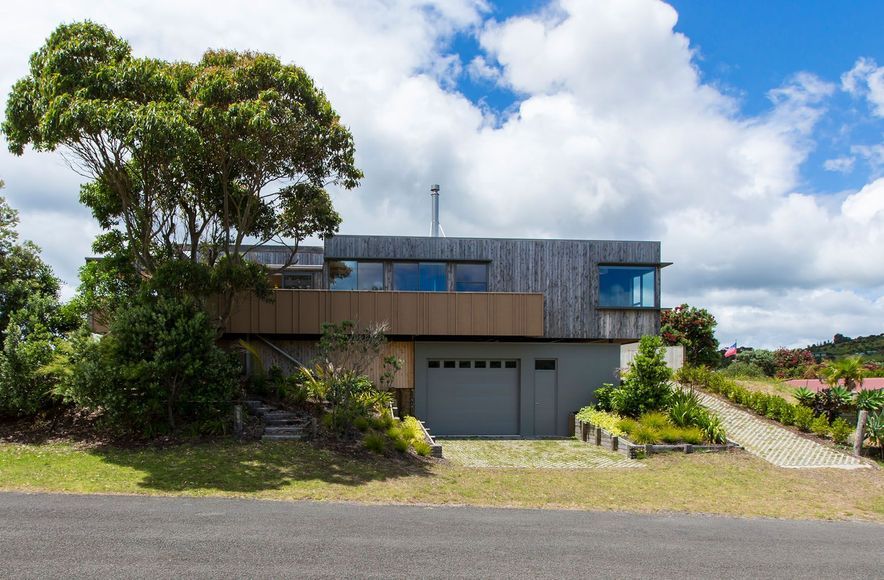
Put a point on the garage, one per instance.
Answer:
(473, 396)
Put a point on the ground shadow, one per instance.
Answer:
(251, 467)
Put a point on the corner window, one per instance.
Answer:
(627, 286)
(420, 276)
(342, 275)
(353, 275)
(471, 277)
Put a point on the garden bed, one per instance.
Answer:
(595, 435)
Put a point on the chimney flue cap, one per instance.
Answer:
(434, 188)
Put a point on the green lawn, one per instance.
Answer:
(734, 484)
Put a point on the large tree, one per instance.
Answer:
(693, 328)
(31, 320)
(195, 161)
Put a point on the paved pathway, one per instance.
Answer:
(773, 443)
(532, 454)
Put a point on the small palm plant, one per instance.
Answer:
(867, 402)
(804, 396)
(875, 430)
(851, 371)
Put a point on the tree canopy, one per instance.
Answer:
(693, 328)
(194, 161)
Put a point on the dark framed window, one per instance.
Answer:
(433, 364)
(627, 286)
(297, 281)
(420, 276)
(449, 364)
(479, 364)
(465, 364)
(510, 364)
(495, 364)
(544, 364)
(471, 277)
(353, 275)
(370, 275)
(342, 275)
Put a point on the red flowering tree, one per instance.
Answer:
(791, 362)
(693, 328)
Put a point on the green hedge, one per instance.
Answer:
(770, 406)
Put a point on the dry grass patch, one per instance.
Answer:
(769, 386)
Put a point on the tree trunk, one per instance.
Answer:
(860, 432)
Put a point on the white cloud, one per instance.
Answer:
(866, 78)
(839, 164)
(615, 136)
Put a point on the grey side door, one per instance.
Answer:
(545, 387)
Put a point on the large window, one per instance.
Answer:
(353, 275)
(471, 277)
(626, 286)
(420, 276)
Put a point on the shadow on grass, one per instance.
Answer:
(253, 467)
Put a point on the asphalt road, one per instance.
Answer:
(115, 536)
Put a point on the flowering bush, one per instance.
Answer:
(792, 362)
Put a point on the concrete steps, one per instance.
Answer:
(281, 425)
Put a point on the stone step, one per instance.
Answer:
(283, 438)
(285, 421)
(283, 429)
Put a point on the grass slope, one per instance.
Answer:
(728, 484)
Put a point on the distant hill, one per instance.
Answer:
(870, 347)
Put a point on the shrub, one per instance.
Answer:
(655, 420)
(692, 435)
(157, 368)
(412, 429)
(422, 448)
(712, 428)
(803, 417)
(626, 426)
(759, 358)
(840, 430)
(603, 397)
(804, 396)
(875, 429)
(820, 426)
(670, 434)
(643, 435)
(645, 386)
(361, 423)
(830, 402)
(607, 421)
(375, 442)
(744, 370)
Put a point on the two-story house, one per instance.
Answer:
(499, 337)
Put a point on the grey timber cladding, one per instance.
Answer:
(565, 271)
(307, 255)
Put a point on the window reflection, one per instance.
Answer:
(420, 276)
(471, 277)
(627, 286)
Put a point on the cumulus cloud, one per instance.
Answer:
(614, 135)
(866, 78)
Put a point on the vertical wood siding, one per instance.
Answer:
(564, 271)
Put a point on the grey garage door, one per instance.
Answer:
(473, 397)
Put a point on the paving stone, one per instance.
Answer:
(532, 454)
(774, 443)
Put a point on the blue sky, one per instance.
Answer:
(704, 124)
(746, 48)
